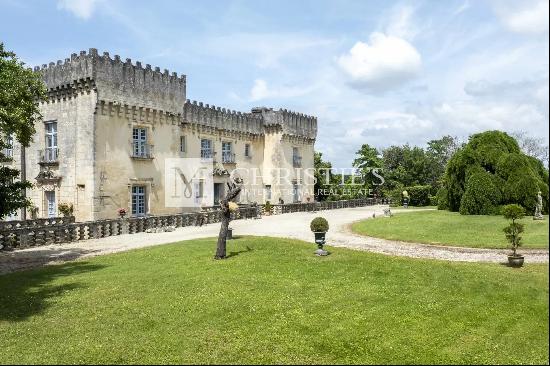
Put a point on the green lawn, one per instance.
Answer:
(451, 228)
(273, 301)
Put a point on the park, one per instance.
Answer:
(373, 198)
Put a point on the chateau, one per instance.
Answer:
(109, 126)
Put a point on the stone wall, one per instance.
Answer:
(118, 81)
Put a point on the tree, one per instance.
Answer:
(491, 171)
(406, 166)
(531, 146)
(369, 162)
(234, 188)
(322, 174)
(439, 152)
(20, 91)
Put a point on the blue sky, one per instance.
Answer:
(375, 72)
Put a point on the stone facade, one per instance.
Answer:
(96, 104)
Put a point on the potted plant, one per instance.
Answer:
(121, 212)
(514, 212)
(319, 226)
(66, 209)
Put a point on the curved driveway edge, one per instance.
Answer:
(293, 225)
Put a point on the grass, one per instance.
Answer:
(273, 301)
(451, 228)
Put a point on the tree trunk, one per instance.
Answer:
(233, 191)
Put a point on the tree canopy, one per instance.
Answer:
(491, 171)
(20, 91)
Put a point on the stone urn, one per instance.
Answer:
(319, 227)
(516, 261)
(320, 241)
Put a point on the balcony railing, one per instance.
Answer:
(49, 155)
(228, 157)
(142, 150)
(297, 161)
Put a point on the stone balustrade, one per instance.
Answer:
(55, 232)
(52, 221)
(24, 234)
(278, 209)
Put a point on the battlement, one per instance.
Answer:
(221, 118)
(259, 121)
(291, 123)
(118, 81)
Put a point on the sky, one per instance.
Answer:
(375, 72)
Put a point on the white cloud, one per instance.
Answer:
(383, 63)
(80, 8)
(523, 16)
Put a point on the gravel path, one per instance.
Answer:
(295, 225)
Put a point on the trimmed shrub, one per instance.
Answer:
(481, 196)
(419, 195)
(319, 224)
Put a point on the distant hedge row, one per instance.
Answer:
(489, 172)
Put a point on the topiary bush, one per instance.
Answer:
(319, 225)
(491, 171)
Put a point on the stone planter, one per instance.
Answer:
(516, 261)
(320, 241)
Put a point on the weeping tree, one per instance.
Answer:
(226, 203)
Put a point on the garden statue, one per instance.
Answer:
(538, 208)
(227, 207)
(405, 199)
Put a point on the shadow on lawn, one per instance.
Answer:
(234, 254)
(28, 293)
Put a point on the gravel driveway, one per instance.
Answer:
(295, 225)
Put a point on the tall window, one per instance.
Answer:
(138, 200)
(295, 192)
(206, 149)
(50, 153)
(183, 144)
(296, 158)
(50, 203)
(268, 192)
(140, 142)
(227, 154)
(247, 153)
(8, 150)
